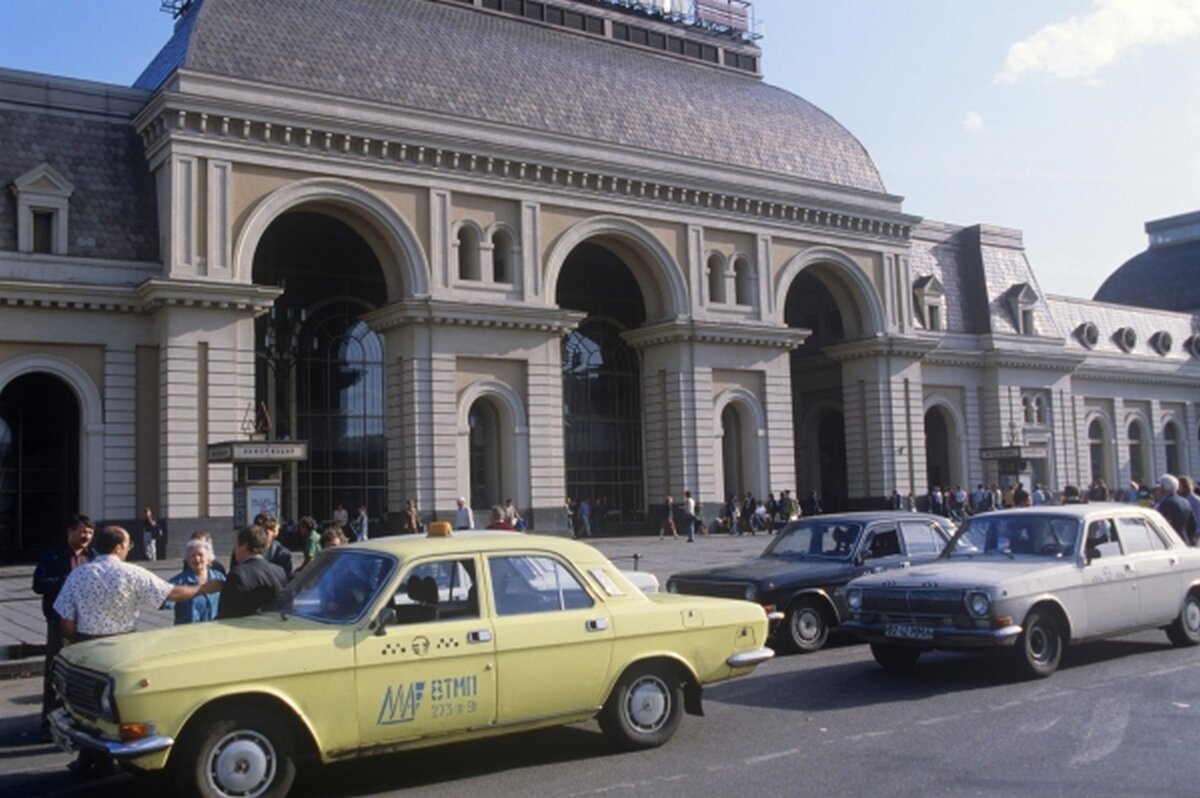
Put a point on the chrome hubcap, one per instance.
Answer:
(242, 764)
(649, 704)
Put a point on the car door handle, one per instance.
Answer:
(597, 625)
(479, 636)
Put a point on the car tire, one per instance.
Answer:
(236, 753)
(1185, 630)
(644, 709)
(805, 627)
(1039, 648)
(895, 658)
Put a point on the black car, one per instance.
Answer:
(801, 577)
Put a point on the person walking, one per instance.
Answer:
(361, 524)
(52, 570)
(152, 535)
(1175, 508)
(410, 524)
(463, 517)
(668, 520)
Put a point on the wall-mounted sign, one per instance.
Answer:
(258, 452)
(999, 452)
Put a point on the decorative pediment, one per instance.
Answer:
(928, 286)
(44, 181)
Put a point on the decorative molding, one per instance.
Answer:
(473, 314)
(738, 334)
(160, 292)
(164, 122)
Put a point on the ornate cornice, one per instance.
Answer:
(175, 118)
(162, 292)
(737, 334)
(474, 314)
(67, 296)
(881, 346)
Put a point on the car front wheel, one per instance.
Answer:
(1185, 631)
(644, 708)
(1039, 648)
(805, 627)
(237, 755)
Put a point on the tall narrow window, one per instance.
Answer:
(468, 253)
(502, 257)
(484, 434)
(1137, 455)
(1098, 451)
(43, 231)
(716, 279)
(743, 276)
(1171, 444)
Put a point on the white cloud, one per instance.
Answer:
(972, 121)
(1081, 46)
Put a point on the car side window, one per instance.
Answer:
(437, 590)
(1136, 536)
(884, 543)
(1102, 539)
(920, 538)
(523, 584)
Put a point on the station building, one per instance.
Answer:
(530, 250)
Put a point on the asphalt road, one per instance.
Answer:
(1121, 718)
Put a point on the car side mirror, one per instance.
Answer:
(386, 618)
(1092, 554)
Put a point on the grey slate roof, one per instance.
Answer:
(1165, 277)
(461, 62)
(112, 212)
(1072, 313)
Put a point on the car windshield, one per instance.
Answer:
(816, 538)
(337, 586)
(1026, 534)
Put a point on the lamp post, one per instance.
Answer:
(280, 349)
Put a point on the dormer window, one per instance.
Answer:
(1089, 334)
(930, 297)
(1126, 338)
(43, 206)
(1022, 300)
(1162, 342)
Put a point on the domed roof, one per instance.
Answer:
(460, 62)
(1167, 275)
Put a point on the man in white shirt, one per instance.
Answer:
(464, 518)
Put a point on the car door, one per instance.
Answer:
(554, 639)
(1110, 585)
(432, 671)
(1159, 573)
(923, 540)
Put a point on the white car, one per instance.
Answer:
(1033, 580)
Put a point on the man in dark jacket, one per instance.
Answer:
(48, 577)
(253, 582)
(1175, 508)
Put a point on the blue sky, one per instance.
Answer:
(1075, 121)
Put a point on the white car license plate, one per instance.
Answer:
(908, 631)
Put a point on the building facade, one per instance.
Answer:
(527, 250)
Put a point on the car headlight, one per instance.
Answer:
(854, 598)
(979, 603)
(751, 593)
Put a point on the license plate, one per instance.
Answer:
(907, 631)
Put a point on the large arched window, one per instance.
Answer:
(340, 409)
(602, 416)
(1138, 467)
(1171, 438)
(468, 253)
(734, 478)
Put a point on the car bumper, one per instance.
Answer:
(70, 737)
(947, 637)
(748, 659)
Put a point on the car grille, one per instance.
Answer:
(698, 587)
(913, 604)
(79, 689)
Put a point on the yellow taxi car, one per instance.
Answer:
(404, 643)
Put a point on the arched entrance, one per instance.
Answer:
(483, 423)
(816, 387)
(39, 464)
(733, 444)
(937, 448)
(602, 403)
(320, 368)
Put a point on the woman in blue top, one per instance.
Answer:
(196, 571)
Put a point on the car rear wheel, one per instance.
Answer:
(895, 658)
(1185, 630)
(1039, 648)
(237, 754)
(644, 709)
(805, 628)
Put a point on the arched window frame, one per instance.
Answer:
(468, 247)
(1173, 438)
(716, 268)
(505, 254)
